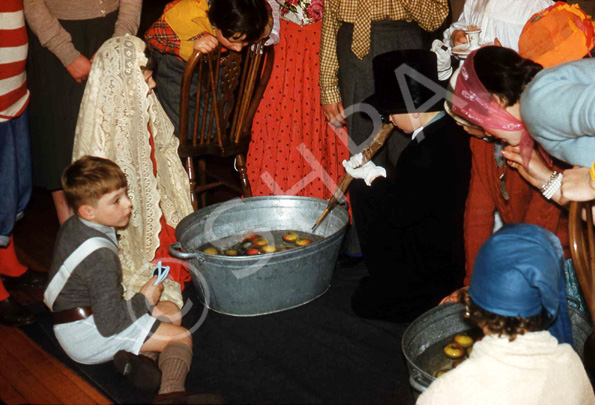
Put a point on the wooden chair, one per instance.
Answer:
(230, 87)
(582, 249)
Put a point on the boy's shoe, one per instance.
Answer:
(141, 371)
(183, 397)
(29, 279)
(14, 314)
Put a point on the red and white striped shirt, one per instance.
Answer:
(14, 95)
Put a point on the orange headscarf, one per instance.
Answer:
(557, 34)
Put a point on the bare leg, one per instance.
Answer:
(165, 334)
(167, 311)
(62, 208)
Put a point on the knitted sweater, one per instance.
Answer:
(531, 370)
(43, 18)
(14, 95)
(96, 281)
(558, 108)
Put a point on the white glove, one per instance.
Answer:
(444, 66)
(368, 172)
(274, 35)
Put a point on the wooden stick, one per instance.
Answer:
(379, 140)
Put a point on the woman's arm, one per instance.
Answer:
(128, 17)
(537, 174)
(52, 36)
(48, 30)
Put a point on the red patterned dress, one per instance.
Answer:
(294, 151)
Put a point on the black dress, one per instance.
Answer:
(411, 228)
(56, 98)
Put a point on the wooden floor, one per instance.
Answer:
(28, 375)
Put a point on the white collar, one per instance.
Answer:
(417, 132)
(108, 230)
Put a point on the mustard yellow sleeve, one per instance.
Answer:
(429, 14)
(188, 19)
(329, 65)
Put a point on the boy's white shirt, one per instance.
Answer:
(532, 370)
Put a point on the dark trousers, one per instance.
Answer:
(168, 75)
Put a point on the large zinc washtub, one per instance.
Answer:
(258, 285)
(446, 320)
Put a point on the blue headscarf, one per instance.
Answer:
(519, 271)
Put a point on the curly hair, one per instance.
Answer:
(499, 324)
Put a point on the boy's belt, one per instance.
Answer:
(71, 315)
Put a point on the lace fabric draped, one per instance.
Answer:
(113, 123)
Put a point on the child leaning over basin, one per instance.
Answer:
(92, 321)
(188, 25)
(517, 292)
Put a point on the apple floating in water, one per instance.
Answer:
(211, 251)
(290, 237)
(269, 249)
(252, 252)
(231, 252)
(260, 242)
(454, 351)
(303, 242)
(251, 237)
(463, 340)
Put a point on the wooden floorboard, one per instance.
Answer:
(32, 376)
(8, 394)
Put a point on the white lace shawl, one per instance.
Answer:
(113, 123)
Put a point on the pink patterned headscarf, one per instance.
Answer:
(473, 102)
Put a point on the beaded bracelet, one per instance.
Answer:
(552, 185)
(593, 172)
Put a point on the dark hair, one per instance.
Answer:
(239, 17)
(150, 65)
(499, 324)
(503, 72)
(87, 179)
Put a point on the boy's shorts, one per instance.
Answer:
(84, 344)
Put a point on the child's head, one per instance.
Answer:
(238, 23)
(406, 87)
(517, 284)
(494, 324)
(95, 189)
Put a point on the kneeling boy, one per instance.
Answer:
(92, 320)
(410, 227)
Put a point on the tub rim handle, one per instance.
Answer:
(415, 383)
(177, 251)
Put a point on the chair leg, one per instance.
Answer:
(202, 180)
(244, 181)
(192, 177)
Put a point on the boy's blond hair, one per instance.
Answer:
(87, 179)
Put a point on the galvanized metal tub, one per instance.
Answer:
(259, 285)
(447, 320)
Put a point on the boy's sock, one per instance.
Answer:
(174, 363)
(151, 355)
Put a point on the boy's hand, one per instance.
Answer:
(206, 43)
(152, 292)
